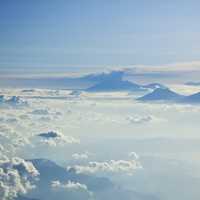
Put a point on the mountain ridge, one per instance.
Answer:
(170, 96)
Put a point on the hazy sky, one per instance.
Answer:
(43, 33)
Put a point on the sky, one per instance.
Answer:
(48, 34)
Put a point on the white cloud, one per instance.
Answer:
(139, 119)
(16, 175)
(80, 156)
(113, 166)
(70, 187)
(53, 138)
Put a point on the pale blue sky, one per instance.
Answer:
(49, 33)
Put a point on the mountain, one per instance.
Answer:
(94, 82)
(50, 171)
(113, 81)
(115, 85)
(74, 83)
(194, 98)
(169, 95)
(161, 95)
(102, 187)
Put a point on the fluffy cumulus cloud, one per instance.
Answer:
(70, 187)
(139, 119)
(54, 138)
(16, 176)
(80, 156)
(113, 166)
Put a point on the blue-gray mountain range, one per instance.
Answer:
(161, 94)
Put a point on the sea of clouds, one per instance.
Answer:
(83, 132)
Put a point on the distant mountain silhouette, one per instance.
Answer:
(74, 83)
(115, 85)
(113, 81)
(194, 98)
(51, 171)
(169, 95)
(161, 95)
(94, 82)
(101, 186)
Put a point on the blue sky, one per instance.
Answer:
(49, 33)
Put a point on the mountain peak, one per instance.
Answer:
(194, 98)
(161, 94)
